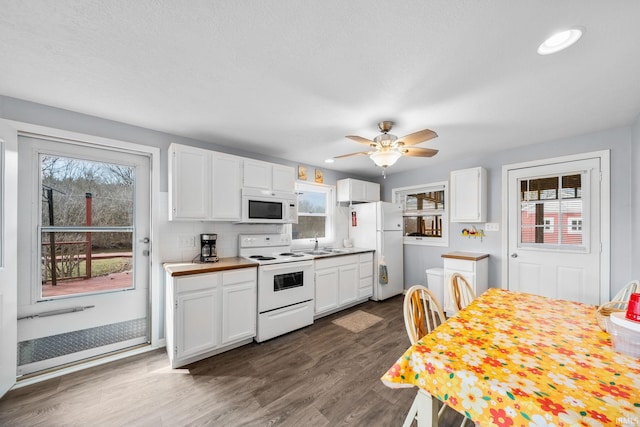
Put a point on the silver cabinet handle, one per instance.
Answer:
(514, 255)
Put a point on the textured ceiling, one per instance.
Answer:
(291, 78)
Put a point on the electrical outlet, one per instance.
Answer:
(492, 226)
(185, 241)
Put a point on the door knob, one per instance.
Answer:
(145, 240)
(514, 255)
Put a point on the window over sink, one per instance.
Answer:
(425, 213)
(315, 214)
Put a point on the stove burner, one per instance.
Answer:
(297, 255)
(263, 258)
(256, 256)
(287, 254)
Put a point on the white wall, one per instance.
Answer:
(635, 197)
(617, 140)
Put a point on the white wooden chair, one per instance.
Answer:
(460, 290)
(625, 293)
(422, 314)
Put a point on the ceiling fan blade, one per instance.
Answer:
(419, 152)
(418, 137)
(352, 154)
(360, 140)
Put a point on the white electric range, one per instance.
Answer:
(285, 284)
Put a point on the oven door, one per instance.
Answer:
(280, 285)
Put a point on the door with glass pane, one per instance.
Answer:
(84, 279)
(554, 230)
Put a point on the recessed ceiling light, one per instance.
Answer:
(560, 41)
(329, 161)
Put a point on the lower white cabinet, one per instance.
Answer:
(365, 290)
(209, 313)
(474, 267)
(341, 281)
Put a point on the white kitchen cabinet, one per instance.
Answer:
(203, 184)
(208, 313)
(226, 189)
(355, 190)
(474, 267)
(326, 289)
(189, 183)
(268, 176)
(365, 275)
(341, 281)
(239, 301)
(468, 195)
(193, 318)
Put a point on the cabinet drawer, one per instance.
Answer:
(459, 265)
(239, 275)
(366, 257)
(197, 282)
(335, 261)
(366, 269)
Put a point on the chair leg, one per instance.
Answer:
(413, 411)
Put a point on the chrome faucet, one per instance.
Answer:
(315, 247)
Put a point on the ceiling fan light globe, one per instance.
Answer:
(385, 158)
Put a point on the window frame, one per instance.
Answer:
(399, 194)
(330, 194)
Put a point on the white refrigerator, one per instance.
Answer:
(378, 226)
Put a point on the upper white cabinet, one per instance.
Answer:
(354, 190)
(468, 197)
(268, 176)
(189, 182)
(226, 190)
(206, 185)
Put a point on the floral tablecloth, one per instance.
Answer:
(515, 359)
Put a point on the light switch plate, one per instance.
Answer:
(185, 241)
(492, 226)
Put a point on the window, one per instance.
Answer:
(86, 226)
(575, 225)
(547, 201)
(315, 213)
(426, 220)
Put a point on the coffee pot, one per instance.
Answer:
(208, 248)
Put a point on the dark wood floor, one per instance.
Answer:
(322, 375)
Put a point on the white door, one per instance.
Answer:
(83, 242)
(8, 258)
(554, 228)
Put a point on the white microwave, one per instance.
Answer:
(269, 207)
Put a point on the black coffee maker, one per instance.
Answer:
(208, 248)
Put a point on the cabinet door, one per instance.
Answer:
(358, 191)
(326, 289)
(256, 174)
(238, 311)
(189, 183)
(349, 284)
(372, 190)
(468, 195)
(197, 323)
(227, 183)
(283, 178)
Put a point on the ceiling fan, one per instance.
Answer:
(387, 148)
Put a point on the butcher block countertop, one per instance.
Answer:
(187, 268)
(469, 256)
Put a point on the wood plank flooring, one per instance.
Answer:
(322, 375)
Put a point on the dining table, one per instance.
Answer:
(518, 359)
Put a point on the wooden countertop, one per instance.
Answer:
(187, 268)
(469, 256)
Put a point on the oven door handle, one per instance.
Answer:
(295, 265)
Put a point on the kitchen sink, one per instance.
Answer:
(317, 252)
